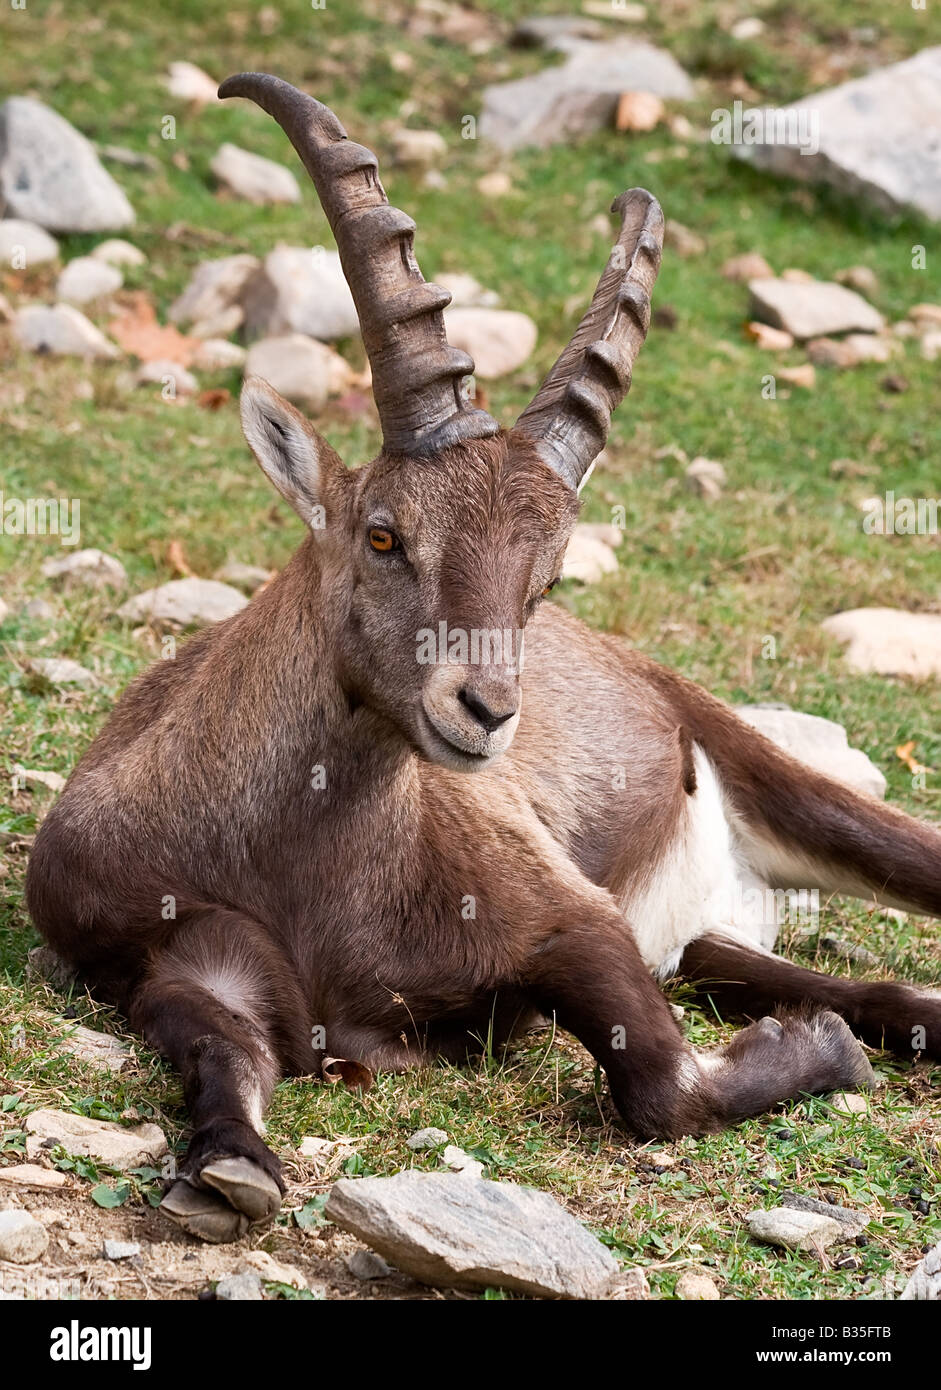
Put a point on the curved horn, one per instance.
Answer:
(417, 377)
(570, 414)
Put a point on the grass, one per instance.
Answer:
(700, 586)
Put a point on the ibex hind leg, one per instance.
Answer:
(207, 1005)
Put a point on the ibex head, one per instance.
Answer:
(458, 527)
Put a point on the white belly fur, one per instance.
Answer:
(701, 884)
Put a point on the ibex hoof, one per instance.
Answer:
(245, 1186)
(201, 1213)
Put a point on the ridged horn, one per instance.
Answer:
(417, 377)
(570, 414)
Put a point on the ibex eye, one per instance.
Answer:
(382, 540)
(549, 587)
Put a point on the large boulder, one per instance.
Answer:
(877, 138)
(499, 340)
(300, 290)
(50, 174)
(119, 1146)
(301, 369)
(812, 308)
(581, 96)
(63, 331)
(889, 641)
(450, 1230)
(820, 743)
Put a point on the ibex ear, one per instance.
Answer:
(288, 448)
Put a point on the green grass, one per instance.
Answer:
(700, 586)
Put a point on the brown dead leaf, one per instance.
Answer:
(136, 330)
(905, 754)
(353, 1074)
(213, 399)
(176, 559)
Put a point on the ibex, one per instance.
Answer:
(374, 861)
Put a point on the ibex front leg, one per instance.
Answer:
(593, 978)
(206, 1004)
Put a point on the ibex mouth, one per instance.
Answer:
(441, 747)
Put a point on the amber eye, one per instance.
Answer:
(381, 539)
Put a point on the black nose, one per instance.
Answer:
(490, 719)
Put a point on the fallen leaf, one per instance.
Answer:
(905, 752)
(213, 399)
(137, 331)
(176, 559)
(353, 1074)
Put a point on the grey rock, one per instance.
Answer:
(418, 149)
(445, 1231)
(706, 477)
(22, 1238)
(499, 340)
(298, 367)
(218, 355)
(812, 308)
(115, 251)
(60, 670)
(184, 603)
(879, 137)
(120, 1249)
(214, 290)
(43, 963)
(51, 175)
(924, 1286)
(32, 1175)
(847, 950)
(562, 103)
(795, 1230)
(889, 641)
(87, 278)
(300, 289)
(25, 244)
(187, 82)
(63, 331)
(242, 1287)
(39, 610)
(252, 177)
(820, 743)
(119, 1146)
(37, 779)
(366, 1264)
(695, 1285)
(853, 1222)
(463, 1163)
(173, 378)
(427, 1139)
(99, 1050)
(87, 567)
(546, 30)
(248, 578)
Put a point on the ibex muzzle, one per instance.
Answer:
(267, 860)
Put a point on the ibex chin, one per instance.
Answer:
(376, 860)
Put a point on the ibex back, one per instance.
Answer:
(379, 849)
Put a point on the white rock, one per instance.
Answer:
(25, 244)
(366, 1264)
(820, 743)
(706, 477)
(746, 28)
(172, 377)
(252, 177)
(418, 148)
(638, 111)
(4, 611)
(767, 338)
(683, 240)
(118, 252)
(184, 602)
(587, 557)
(99, 1050)
(22, 1238)
(499, 340)
(249, 578)
(878, 138)
(859, 278)
(580, 96)
(460, 1162)
(119, 1147)
(930, 346)
(51, 175)
(466, 292)
(62, 330)
(924, 316)
(36, 778)
(889, 641)
(695, 1285)
(427, 1139)
(300, 290)
(748, 266)
(242, 1287)
(120, 1249)
(217, 355)
(849, 1103)
(215, 288)
(812, 309)
(302, 369)
(31, 1175)
(91, 567)
(851, 351)
(496, 184)
(545, 30)
(187, 82)
(795, 1230)
(59, 670)
(86, 279)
